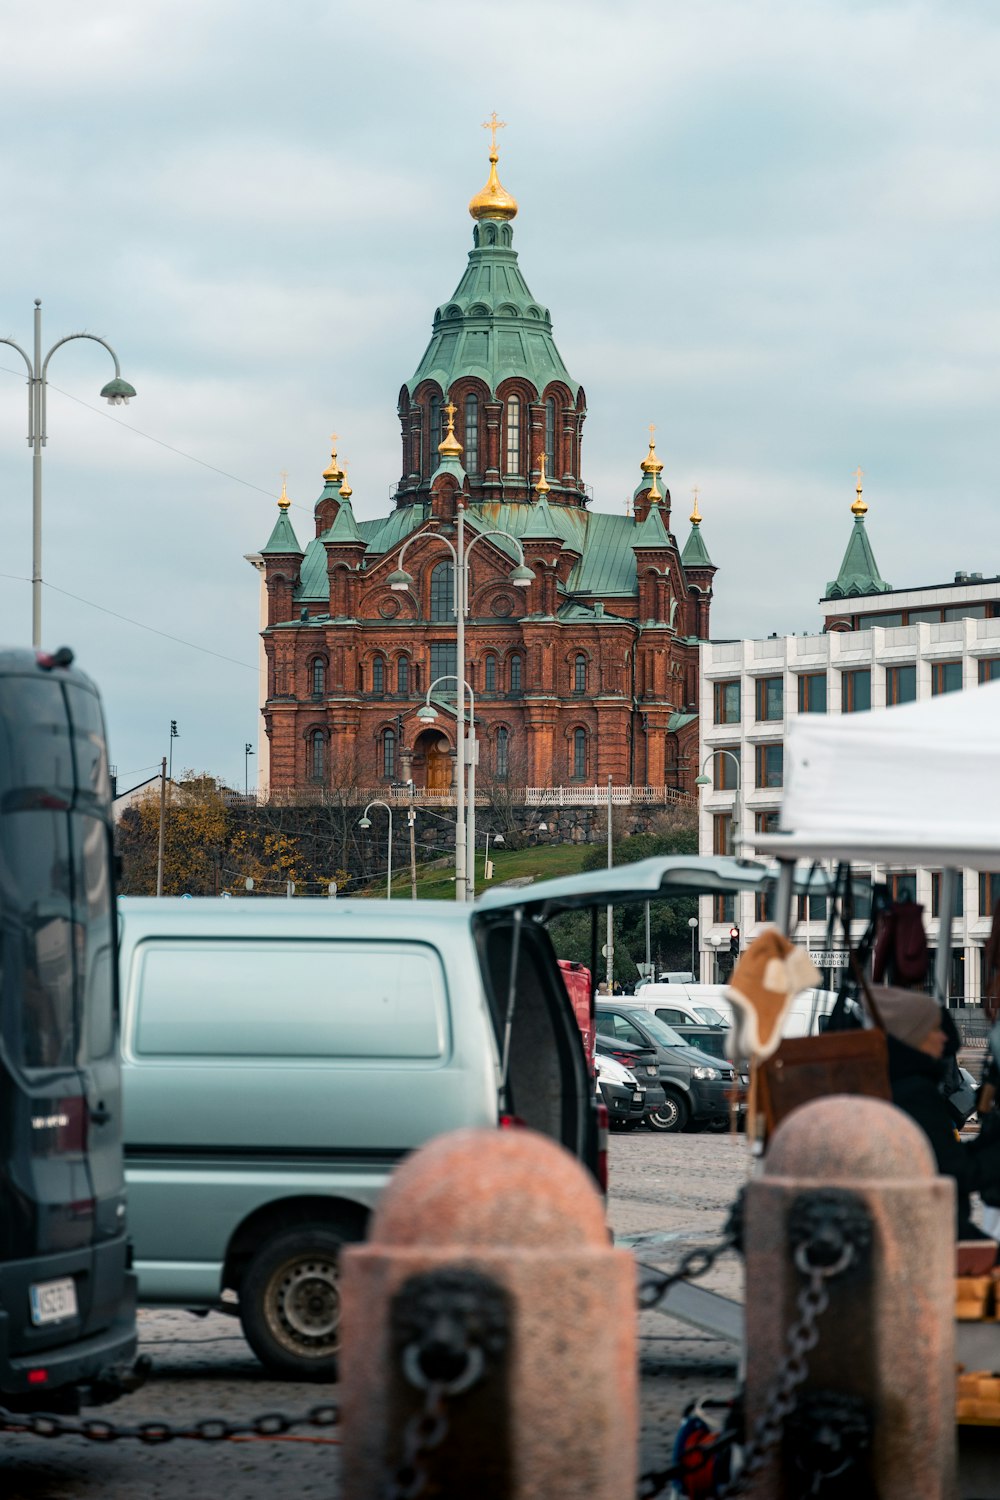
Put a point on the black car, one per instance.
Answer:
(696, 1086)
(643, 1065)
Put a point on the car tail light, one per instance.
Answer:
(602, 1147)
(512, 1122)
(60, 1128)
(38, 1377)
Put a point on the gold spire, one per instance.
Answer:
(494, 201)
(542, 487)
(345, 489)
(283, 500)
(333, 471)
(449, 446)
(695, 514)
(654, 493)
(859, 508)
(651, 464)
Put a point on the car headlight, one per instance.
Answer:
(705, 1073)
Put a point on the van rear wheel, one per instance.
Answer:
(671, 1116)
(290, 1303)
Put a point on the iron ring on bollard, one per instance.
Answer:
(805, 1266)
(475, 1363)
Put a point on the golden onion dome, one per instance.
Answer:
(859, 508)
(651, 464)
(696, 513)
(333, 471)
(543, 486)
(494, 201)
(345, 489)
(449, 446)
(283, 500)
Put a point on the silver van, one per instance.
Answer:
(280, 1057)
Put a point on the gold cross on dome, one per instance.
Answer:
(450, 411)
(284, 477)
(696, 492)
(493, 125)
(652, 429)
(333, 438)
(859, 475)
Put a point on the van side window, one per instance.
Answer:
(672, 1017)
(626, 1032)
(350, 1000)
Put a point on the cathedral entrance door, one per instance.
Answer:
(437, 761)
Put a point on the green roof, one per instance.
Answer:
(282, 539)
(695, 554)
(381, 535)
(492, 326)
(651, 532)
(859, 572)
(679, 721)
(541, 527)
(345, 527)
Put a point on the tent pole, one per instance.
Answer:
(946, 917)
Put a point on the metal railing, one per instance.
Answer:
(530, 796)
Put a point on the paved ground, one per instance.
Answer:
(668, 1193)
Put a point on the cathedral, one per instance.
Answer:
(582, 627)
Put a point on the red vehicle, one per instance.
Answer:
(576, 978)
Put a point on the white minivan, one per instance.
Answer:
(707, 1005)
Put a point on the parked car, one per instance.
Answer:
(707, 1005)
(279, 1059)
(619, 1089)
(643, 1064)
(696, 1086)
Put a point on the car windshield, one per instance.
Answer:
(709, 1015)
(660, 1031)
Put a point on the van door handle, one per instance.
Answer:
(100, 1115)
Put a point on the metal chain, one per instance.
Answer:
(208, 1430)
(425, 1431)
(656, 1284)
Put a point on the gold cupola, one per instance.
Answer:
(494, 201)
(345, 489)
(333, 471)
(651, 464)
(449, 446)
(859, 508)
(283, 500)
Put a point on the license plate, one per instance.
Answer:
(638, 1097)
(53, 1301)
(651, 1071)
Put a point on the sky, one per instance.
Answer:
(770, 228)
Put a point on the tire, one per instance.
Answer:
(290, 1303)
(671, 1116)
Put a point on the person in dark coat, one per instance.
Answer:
(917, 1043)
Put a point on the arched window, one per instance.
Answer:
(378, 677)
(580, 674)
(318, 676)
(443, 591)
(579, 754)
(490, 675)
(471, 435)
(434, 429)
(515, 674)
(513, 435)
(317, 755)
(503, 754)
(389, 753)
(403, 675)
(550, 435)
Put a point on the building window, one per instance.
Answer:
(855, 691)
(318, 676)
(727, 702)
(490, 674)
(472, 434)
(770, 765)
(317, 755)
(889, 621)
(766, 822)
(389, 753)
(812, 693)
(900, 684)
(903, 885)
(723, 910)
(503, 754)
(378, 677)
(403, 675)
(861, 896)
(770, 699)
(443, 591)
(515, 674)
(550, 435)
(722, 833)
(936, 895)
(725, 768)
(946, 677)
(989, 893)
(513, 435)
(580, 674)
(989, 669)
(435, 431)
(763, 906)
(812, 908)
(444, 663)
(579, 754)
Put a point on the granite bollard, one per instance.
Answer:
(555, 1414)
(886, 1341)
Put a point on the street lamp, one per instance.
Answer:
(495, 838)
(520, 577)
(247, 752)
(117, 392)
(704, 780)
(693, 924)
(467, 831)
(365, 822)
(715, 938)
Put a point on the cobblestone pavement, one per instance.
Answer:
(668, 1194)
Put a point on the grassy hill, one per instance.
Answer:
(436, 882)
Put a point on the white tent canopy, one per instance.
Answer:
(919, 783)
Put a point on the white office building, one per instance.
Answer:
(880, 647)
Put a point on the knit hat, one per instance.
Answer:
(909, 1016)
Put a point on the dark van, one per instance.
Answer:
(67, 1300)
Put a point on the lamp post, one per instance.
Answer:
(693, 924)
(428, 715)
(715, 939)
(117, 392)
(521, 577)
(491, 838)
(704, 780)
(365, 822)
(247, 752)
(173, 736)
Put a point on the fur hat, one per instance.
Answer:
(909, 1016)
